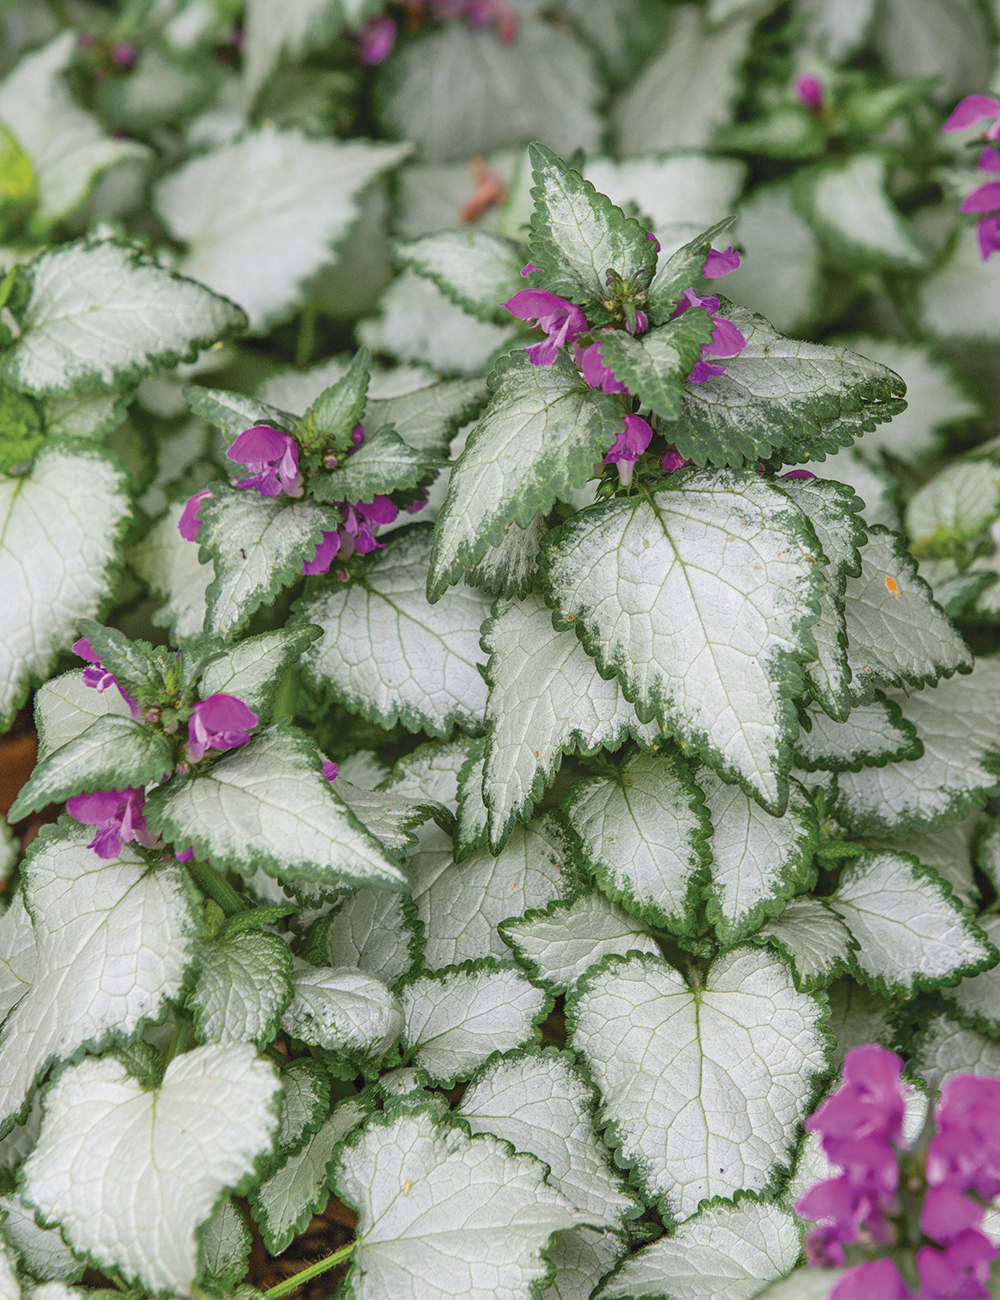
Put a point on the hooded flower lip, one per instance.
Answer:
(272, 458)
(986, 198)
(876, 1278)
(98, 678)
(330, 769)
(355, 534)
(972, 109)
(562, 321)
(220, 722)
(117, 814)
(189, 523)
(596, 373)
(965, 1152)
(631, 442)
(717, 263)
(727, 340)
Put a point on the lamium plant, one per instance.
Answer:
(502, 802)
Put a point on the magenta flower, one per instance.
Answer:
(376, 39)
(879, 1279)
(673, 461)
(596, 373)
(629, 445)
(183, 855)
(973, 109)
(986, 198)
(117, 814)
(326, 550)
(961, 1270)
(271, 457)
(562, 321)
(220, 722)
(965, 1152)
(717, 263)
(330, 769)
(799, 473)
(809, 90)
(650, 237)
(727, 340)
(528, 268)
(98, 678)
(189, 523)
(868, 1104)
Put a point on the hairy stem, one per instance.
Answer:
(314, 1270)
(217, 888)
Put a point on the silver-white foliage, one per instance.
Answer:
(757, 859)
(299, 1188)
(175, 575)
(850, 207)
(456, 1021)
(895, 632)
(562, 942)
(259, 215)
(372, 930)
(958, 724)
(129, 1175)
(342, 1010)
(642, 832)
(101, 314)
(779, 271)
(546, 698)
(816, 940)
(702, 1091)
(722, 590)
(59, 529)
(872, 734)
(444, 1215)
(243, 987)
(66, 145)
(910, 933)
(979, 996)
(113, 943)
(723, 1253)
(46, 1256)
(540, 1103)
(947, 1048)
(387, 653)
(686, 92)
(268, 805)
(461, 905)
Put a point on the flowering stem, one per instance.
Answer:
(217, 888)
(314, 1270)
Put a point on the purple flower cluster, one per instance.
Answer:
(273, 459)
(963, 1157)
(862, 1129)
(220, 722)
(117, 814)
(378, 36)
(98, 678)
(563, 322)
(985, 198)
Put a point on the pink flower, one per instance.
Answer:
(184, 855)
(717, 263)
(809, 90)
(596, 373)
(123, 54)
(189, 523)
(528, 268)
(271, 457)
(673, 461)
(117, 814)
(879, 1279)
(562, 321)
(799, 473)
(965, 1152)
(376, 39)
(988, 231)
(869, 1103)
(220, 722)
(326, 550)
(986, 198)
(652, 238)
(972, 109)
(330, 769)
(98, 678)
(947, 1213)
(961, 1270)
(629, 445)
(727, 340)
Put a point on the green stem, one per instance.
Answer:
(216, 887)
(182, 1032)
(307, 1274)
